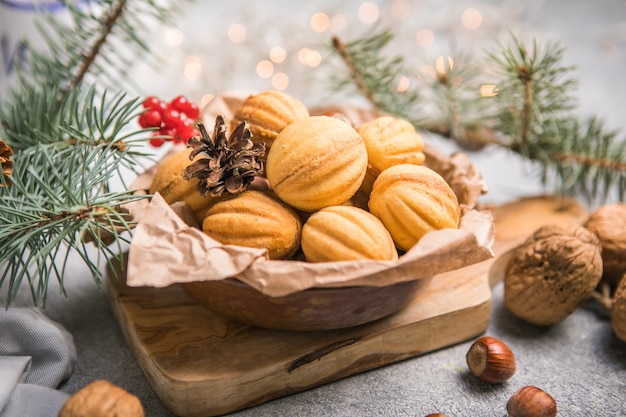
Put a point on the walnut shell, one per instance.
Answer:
(412, 200)
(256, 220)
(552, 273)
(169, 182)
(316, 162)
(267, 114)
(102, 399)
(608, 222)
(618, 311)
(389, 141)
(346, 233)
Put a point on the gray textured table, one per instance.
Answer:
(580, 362)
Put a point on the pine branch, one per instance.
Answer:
(447, 105)
(531, 112)
(34, 227)
(375, 76)
(71, 138)
(108, 23)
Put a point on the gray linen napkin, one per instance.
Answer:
(36, 355)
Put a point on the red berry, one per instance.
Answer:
(151, 102)
(171, 119)
(179, 103)
(150, 118)
(192, 111)
(161, 107)
(168, 132)
(156, 142)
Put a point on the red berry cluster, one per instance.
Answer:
(175, 119)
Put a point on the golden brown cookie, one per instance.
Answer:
(254, 219)
(267, 114)
(169, 182)
(316, 162)
(412, 200)
(346, 233)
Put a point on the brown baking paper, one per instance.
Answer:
(165, 249)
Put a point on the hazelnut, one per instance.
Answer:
(491, 360)
(552, 273)
(530, 401)
(618, 311)
(608, 222)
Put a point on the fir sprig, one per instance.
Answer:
(375, 75)
(72, 137)
(58, 195)
(531, 113)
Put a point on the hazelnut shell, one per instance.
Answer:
(530, 401)
(491, 360)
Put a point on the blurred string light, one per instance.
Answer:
(471, 18)
(255, 48)
(264, 68)
(193, 67)
(488, 90)
(278, 54)
(280, 81)
(237, 33)
(309, 57)
(368, 12)
(174, 37)
(444, 64)
(400, 9)
(320, 22)
(425, 38)
(338, 22)
(403, 84)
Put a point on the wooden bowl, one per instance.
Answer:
(309, 310)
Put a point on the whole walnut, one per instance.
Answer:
(552, 273)
(102, 399)
(609, 223)
(618, 311)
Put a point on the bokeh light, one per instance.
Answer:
(309, 57)
(280, 81)
(444, 65)
(278, 54)
(368, 12)
(400, 9)
(425, 38)
(320, 22)
(237, 33)
(174, 37)
(193, 67)
(264, 69)
(488, 90)
(472, 18)
(403, 84)
(338, 22)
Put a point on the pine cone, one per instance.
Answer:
(5, 161)
(228, 165)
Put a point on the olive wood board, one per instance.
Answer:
(202, 364)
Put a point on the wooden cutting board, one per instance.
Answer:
(202, 364)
